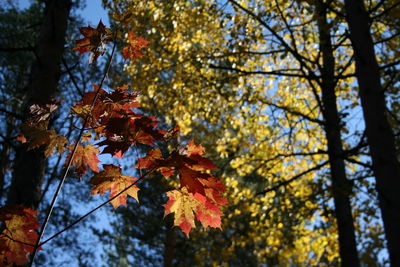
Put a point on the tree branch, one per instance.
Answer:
(294, 112)
(286, 182)
(262, 72)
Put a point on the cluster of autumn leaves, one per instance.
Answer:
(112, 120)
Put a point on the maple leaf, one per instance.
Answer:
(214, 189)
(187, 206)
(111, 179)
(19, 224)
(121, 133)
(94, 40)
(183, 206)
(190, 167)
(135, 44)
(188, 157)
(200, 193)
(153, 159)
(85, 156)
(84, 110)
(150, 160)
(187, 163)
(172, 133)
(119, 99)
(193, 149)
(37, 137)
(40, 113)
(207, 213)
(107, 105)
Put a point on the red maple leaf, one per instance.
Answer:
(154, 159)
(111, 179)
(94, 40)
(121, 133)
(85, 156)
(107, 105)
(20, 226)
(135, 44)
(200, 193)
(188, 206)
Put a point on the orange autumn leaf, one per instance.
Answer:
(112, 179)
(135, 44)
(193, 149)
(85, 156)
(182, 205)
(187, 206)
(19, 232)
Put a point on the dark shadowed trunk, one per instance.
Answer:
(29, 165)
(379, 134)
(341, 187)
(169, 246)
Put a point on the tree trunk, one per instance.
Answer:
(169, 244)
(29, 165)
(379, 134)
(341, 187)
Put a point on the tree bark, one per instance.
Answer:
(29, 166)
(341, 186)
(380, 137)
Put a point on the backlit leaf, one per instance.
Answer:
(20, 224)
(85, 156)
(112, 179)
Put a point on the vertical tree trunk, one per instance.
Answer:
(169, 245)
(29, 165)
(379, 134)
(341, 187)
(4, 160)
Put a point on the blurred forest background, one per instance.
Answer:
(297, 103)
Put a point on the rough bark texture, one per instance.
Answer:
(380, 137)
(29, 165)
(341, 187)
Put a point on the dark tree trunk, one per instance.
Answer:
(4, 161)
(169, 244)
(29, 165)
(341, 187)
(380, 137)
